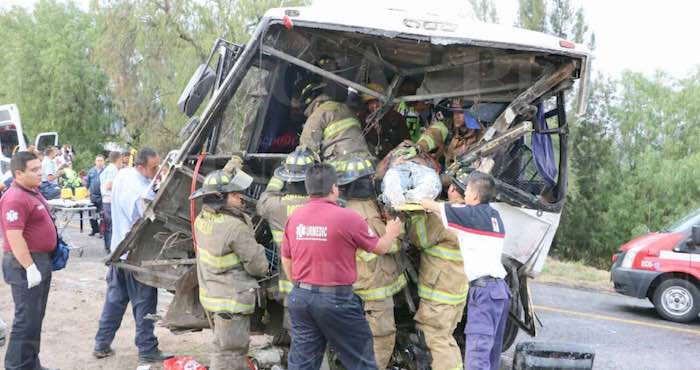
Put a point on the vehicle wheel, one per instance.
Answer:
(677, 300)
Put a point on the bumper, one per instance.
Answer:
(633, 282)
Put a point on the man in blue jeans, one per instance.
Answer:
(129, 188)
(318, 253)
(481, 233)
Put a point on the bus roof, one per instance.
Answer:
(442, 29)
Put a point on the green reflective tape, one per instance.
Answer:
(382, 292)
(441, 296)
(444, 131)
(285, 286)
(218, 262)
(224, 305)
(429, 142)
(421, 230)
(277, 236)
(365, 256)
(275, 184)
(335, 128)
(445, 253)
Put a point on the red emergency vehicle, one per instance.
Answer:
(664, 267)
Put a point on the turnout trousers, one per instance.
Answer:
(438, 322)
(231, 339)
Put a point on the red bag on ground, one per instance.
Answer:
(182, 363)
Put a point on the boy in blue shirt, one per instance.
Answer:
(481, 234)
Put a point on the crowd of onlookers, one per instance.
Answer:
(58, 174)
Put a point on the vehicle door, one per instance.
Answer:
(46, 139)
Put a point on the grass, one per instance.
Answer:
(574, 274)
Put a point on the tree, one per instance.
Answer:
(532, 15)
(559, 18)
(48, 71)
(159, 45)
(485, 10)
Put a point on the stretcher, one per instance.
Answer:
(64, 211)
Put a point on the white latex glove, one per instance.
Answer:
(33, 276)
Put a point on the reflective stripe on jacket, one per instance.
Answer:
(441, 275)
(332, 130)
(276, 208)
(228, 259)
(378, 277)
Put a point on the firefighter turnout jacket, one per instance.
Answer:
(275, 206)
(332, 131)
(441, 139)
(228, 260)
(442, 287)
(379, 278)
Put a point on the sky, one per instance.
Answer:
(641, 36)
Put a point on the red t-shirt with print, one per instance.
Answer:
(321, 238)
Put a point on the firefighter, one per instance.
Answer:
(388, 132)
(452, 134)
(379, 277)
(442, 286)
(331, 129)
(284, 194)
(228, 260)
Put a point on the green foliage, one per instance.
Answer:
(48, 72)
(555, 17)
(532, 15)
(159, 45)
(634, 161)
(485, 10)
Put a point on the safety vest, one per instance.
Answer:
(411, 118)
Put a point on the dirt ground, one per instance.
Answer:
(73, 311)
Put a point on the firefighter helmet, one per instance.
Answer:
(353, 169)
(374, 87)
(221, 182)
(294, 167)
(310, 92)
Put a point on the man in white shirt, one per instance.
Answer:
(48, 164)
(106, 178)
(481, 233)
(127, 193)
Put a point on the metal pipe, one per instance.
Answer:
(331, 76)
(173, 262)
(145, 271)
(462, 93)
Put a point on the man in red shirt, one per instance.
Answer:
(30, 237)
(318, 253)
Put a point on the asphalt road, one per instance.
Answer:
(626, 333)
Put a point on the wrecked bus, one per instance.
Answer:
(517, 82)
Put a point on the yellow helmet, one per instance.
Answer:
(221, 182)
(375, 87)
